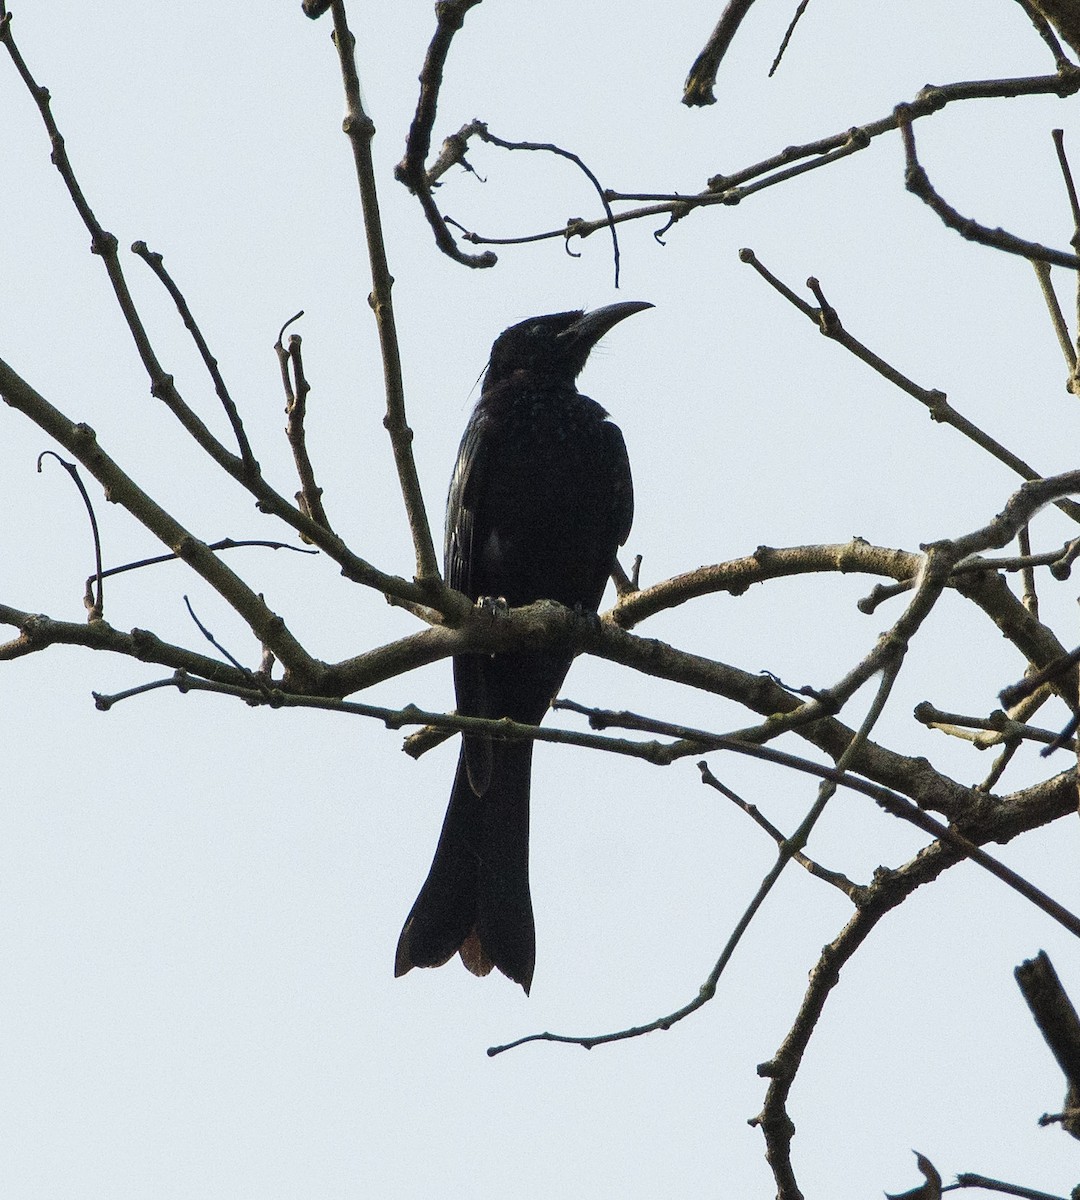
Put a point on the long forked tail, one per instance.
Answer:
(475, 900)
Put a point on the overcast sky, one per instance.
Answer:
(199, 902)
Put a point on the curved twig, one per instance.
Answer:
(486, 135)
(918, 183)
(93, 599)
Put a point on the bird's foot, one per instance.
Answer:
(590, 627)
(494, 606)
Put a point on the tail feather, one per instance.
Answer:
(475, 899)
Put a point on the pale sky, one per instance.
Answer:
(200, 901)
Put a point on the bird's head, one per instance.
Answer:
(553, 348)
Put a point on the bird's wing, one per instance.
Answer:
(622, 484)
(462, 505)
(462, 545)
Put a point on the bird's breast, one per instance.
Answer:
(549, 506)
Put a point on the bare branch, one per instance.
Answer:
(935, 401)
(835, 878)
(698, 89)
(360, 131)
(93, 599)
(37, 632)
(81, 441)
(999, 725)
(156, 263)
(296, 386)
(163, 386)
(481, 130)
(1058, 1023)
(732, 188)
(105, 245)
(412, 170)
(918, 183)
(889, 889)
(950, 848)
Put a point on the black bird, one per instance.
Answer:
(540, 501)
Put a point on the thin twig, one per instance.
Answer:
(93, 599)
(1057, 317)
(787, 36)
(835, 878)
(215, 643)
(935, 401)
(163, 387)
(1066, 172)
(918, 183)
(296, 386)
(998, 769)
(412, 170)
(360, 131)
(547, 147)
(223, 544)
(156, 263)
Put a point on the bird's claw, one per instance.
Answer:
(494, 606)
(591, 621)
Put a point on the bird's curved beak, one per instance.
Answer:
(589, 329)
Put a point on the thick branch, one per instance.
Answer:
(37, 631)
